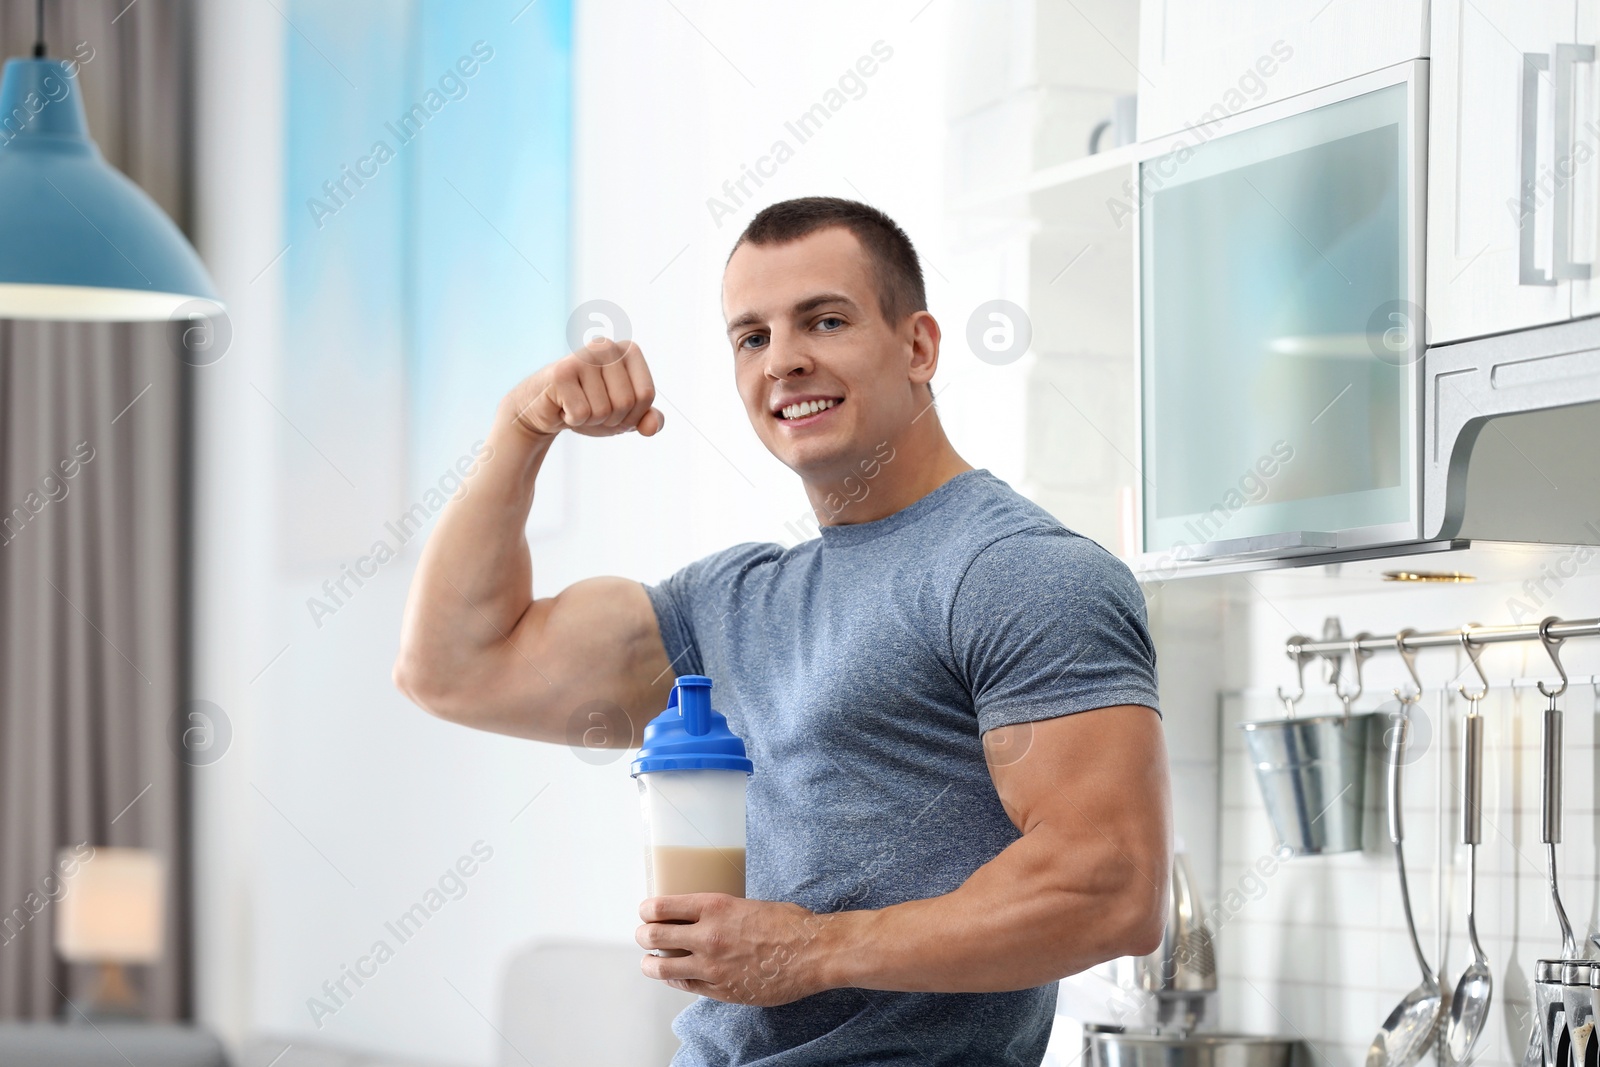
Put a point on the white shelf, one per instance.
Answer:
(1061, 174)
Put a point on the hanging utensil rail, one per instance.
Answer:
(1559, 630)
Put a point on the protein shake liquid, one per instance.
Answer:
(692, 771)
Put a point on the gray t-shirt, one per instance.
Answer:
(861, 669)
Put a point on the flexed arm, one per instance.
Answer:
(476, 647)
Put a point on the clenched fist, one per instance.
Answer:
(600, 390)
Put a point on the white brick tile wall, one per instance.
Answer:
(1320, 947)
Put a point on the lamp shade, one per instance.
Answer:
(78, 239)
(111, 910)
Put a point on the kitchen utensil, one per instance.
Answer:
(1410, 1028)
(1592, 1012)
(1547, 1043)
(1533, 1051)
(1564, 997)
(1577, 1004)
(1312, 771)
(1180, 975)
(1104, 1047)
(1469, 1004)
(1548, 1040)
(1550, 792)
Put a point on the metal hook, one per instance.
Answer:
(1552, 645)
(1409, 657)
(1472, 654)
(1356, 656)
(1295, 653)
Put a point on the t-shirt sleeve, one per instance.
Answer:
(1046, 623)
(697, 598)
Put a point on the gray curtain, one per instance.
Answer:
(94, 424)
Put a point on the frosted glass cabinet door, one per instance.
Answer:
(1505, 81)
(1279, 353)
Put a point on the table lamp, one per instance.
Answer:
(111, 915)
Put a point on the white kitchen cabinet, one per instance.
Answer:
(1279, 375)
(1585, 163)
(1508, 80)
(1203, 60)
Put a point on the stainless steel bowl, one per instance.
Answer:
(1105, 1047)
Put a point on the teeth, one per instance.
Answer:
(809, 407)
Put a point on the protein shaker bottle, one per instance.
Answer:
(692, 772)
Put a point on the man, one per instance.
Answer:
(960, 792)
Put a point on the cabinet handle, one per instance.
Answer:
(1562, 264)
(1532, 64)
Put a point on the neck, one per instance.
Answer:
(889, 475)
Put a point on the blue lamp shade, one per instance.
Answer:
(78, 240)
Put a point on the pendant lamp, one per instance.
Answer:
(78, 239)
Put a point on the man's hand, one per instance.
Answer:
(600, 390)
(1085, 882)
(759, 952)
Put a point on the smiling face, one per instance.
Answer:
(824, 376)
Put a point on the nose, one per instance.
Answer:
(787, 358)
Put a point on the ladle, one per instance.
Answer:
(1469, 1005)
(1411, 1027)
(1544, 1042)
(1543, 1036)
(1550, 823)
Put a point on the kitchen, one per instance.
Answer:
(1288, 305)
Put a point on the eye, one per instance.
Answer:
(838, 322)
(760, 340)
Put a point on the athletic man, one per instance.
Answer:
(960, 792)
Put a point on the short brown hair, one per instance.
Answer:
(900, 288)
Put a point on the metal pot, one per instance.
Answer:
(1312, 774)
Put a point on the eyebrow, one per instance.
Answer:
(810, 303)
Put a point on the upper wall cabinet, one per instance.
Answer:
(1203, 60)
(1279, 266)
(1511, 196)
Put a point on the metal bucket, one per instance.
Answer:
(1312, 773)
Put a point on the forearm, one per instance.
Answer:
(1024, 919)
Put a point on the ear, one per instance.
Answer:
(924, 330)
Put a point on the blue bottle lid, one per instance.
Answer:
(689, 735)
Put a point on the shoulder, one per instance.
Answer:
(1051, 551)
(1009, 537)
(1050, 565)
(1020, 557)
